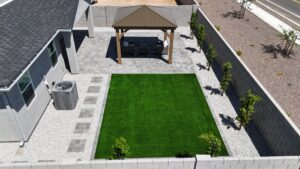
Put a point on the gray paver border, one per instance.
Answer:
(100, 118)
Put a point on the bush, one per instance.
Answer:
(226, 79)
(247, 108)
(218, 27)
(239, 52)
(200, 36)
(120, 148)
(214, 144)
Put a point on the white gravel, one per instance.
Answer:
(238, 142)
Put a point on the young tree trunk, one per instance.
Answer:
(200, 48)
(291, 49)
(208, 67)
(285, 50)
(240, 126)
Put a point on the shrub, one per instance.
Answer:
(211, 55)
(247, 108)
(214, 144)
(120, 148)
(226, 77)
(218, 27)
(200, 36)
(192, 23)
(239, 52)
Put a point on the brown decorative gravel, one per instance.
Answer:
(280, 76)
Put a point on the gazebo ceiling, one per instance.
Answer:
(144, 17)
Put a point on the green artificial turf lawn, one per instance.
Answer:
(158, 115)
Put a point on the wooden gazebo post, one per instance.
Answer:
(171, 46)
(118, 39)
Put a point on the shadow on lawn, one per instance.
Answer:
(184, 154)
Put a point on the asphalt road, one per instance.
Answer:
(287, 8)
(289, 5)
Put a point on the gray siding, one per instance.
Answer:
(8, 126)
(28, 116)
(277, 129)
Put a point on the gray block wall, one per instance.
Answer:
(28, 116)
(277, 129)
(104, 15)
(200, 162)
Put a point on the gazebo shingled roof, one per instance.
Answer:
(144, 17)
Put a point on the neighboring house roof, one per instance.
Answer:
(26, 26)
(143, 17)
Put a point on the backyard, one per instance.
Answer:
(159, 116)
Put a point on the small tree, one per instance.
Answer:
(200, 36)
(226, 77)
(214, 144)
(211, 55)
(245, 4)
(290, 37)
(247, 108)
(192, 23)
(120, 148)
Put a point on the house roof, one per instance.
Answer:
(144, 17)
(26, 26)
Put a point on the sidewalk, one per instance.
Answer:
(270, 19)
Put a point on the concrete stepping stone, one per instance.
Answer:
(77, 145)
(86, 113)
(90, 100)
(96, 80)
(93, 89)
(81, 128)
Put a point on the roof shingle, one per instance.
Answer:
(26, 26)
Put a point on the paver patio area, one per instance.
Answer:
(98, 55)
(65, 134)
(159, 115)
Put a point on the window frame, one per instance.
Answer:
(25, 88)
(52, 43)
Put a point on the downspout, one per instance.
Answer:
(15, 119)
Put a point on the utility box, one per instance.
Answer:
(65, 95)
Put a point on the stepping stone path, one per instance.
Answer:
(77, 145)
(86, 112)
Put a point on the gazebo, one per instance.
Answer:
(144, 17)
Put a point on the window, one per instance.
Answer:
(26, 87)
(52, 53)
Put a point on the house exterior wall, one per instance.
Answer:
(7, 124)
(28, 116)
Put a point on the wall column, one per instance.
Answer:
(90, 21)
(171, 47)
(71, 52)
(118, 46)
(165, 35)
